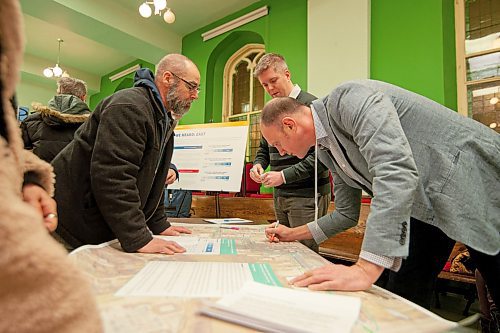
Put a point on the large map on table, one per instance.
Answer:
(109, 268)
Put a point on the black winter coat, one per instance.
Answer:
(110, 178)
(51, 128)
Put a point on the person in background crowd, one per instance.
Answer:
(52, 127)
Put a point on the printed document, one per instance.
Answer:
(286, 310)
(195, 279)
(196, 245)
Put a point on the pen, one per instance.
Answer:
(232, 228)
(275, 227)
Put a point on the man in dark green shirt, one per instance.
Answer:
(291, 177)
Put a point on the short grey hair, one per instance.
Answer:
(278, 108)
(270, 60)
(72, 86)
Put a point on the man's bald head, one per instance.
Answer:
(288, 126)
(278, 108)
(176, 63)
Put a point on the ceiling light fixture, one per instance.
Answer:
(159, 5)
(56, 70)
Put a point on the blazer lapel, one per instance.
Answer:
(339, 153)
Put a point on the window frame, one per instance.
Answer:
(461, 61)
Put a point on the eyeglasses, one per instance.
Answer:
(191, 86)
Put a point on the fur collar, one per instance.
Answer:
(65, 117)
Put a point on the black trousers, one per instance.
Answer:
(428, 252)
(416, 280)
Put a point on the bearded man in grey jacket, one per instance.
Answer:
(110, 178)
(433, 176)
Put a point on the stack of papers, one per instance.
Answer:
(275, 309)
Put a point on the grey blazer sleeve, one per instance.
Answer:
(347, 206)
(372, 121)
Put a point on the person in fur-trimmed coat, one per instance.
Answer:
(40, 289)
(52, 127)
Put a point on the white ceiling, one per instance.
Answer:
(103, 35)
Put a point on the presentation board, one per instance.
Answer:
(210, 157)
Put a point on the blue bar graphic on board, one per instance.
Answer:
(188, 147)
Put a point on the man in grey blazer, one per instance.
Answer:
(432, 174)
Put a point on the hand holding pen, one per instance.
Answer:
(275, 228)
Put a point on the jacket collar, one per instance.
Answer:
(145, 78)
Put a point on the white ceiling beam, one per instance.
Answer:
(152, 30)
(145, 47)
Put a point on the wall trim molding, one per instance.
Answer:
(238, 22)
(124, 72)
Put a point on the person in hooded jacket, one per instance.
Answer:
(52, 127)
(110, 178)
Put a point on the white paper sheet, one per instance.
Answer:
(287, 310)
(195, 245)
(228, 220)
(187, 279)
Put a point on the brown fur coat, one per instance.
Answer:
(40, 289)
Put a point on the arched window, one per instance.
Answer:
(243, 96)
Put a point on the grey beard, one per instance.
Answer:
(177, 107)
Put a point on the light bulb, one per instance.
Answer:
(494, 100)
(145, 10)
(47, 72)
(169, 16)
(57, 70)
(160, 4)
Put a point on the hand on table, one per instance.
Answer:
(272, 178)
(359, 276)
(256, 172)
(175, 231)
(158, 245)
(43, 203)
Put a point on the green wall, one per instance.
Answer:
(413, 46)
(108, 87)
(283, 30)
